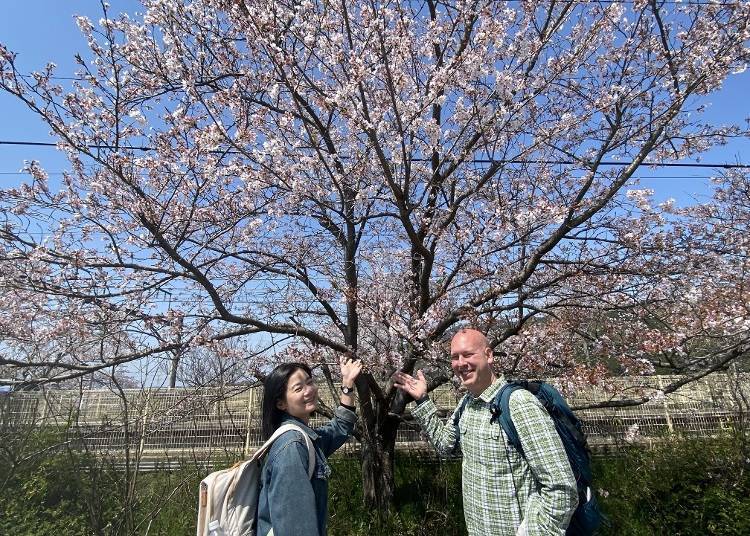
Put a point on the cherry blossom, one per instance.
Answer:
(301, 179)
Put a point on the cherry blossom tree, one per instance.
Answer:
(675, 303)
(357, 177)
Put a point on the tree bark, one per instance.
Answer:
(175, 363)
(378, 446)
(378, 482)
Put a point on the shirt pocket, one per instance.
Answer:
(490, 448)
(479, 441)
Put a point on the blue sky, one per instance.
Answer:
(44, 30)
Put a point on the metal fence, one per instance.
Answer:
(202, 425)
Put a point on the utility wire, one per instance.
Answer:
(94, 146)
(476, 161)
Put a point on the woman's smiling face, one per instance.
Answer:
(301, 397)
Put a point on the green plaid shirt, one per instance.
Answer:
(500, 487)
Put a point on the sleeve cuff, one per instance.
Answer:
(422, 400)
(423, 409)
(345, 414)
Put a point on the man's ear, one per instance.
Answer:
(281, 404)
(490, 355)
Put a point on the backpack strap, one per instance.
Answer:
(456, 418)
(566, 423)
(261, 452)
(461, 408)
(500, 409)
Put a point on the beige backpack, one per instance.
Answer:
(230, 496)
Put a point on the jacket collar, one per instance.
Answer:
(286, 418)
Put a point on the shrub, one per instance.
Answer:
(47, 490)
(428, 500)
(679, 487)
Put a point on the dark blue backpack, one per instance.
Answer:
(587, 517)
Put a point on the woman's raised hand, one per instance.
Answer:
(350, 369)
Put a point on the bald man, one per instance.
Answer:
(505, 492)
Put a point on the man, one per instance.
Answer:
(505, 493)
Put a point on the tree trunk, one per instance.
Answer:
(378, 484)
(378, 447)
(378, 442)
(173, 371)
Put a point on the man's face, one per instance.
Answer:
(471, 358)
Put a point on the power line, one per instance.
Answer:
(92, 146)
(26, 173)
(476, 161)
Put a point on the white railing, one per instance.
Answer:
(203, 424)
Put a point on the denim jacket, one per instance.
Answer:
(290, 502)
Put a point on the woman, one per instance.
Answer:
(290, 503)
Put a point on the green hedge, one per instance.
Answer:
(687, 487)
(680, 487)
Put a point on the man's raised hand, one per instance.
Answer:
(414, 387)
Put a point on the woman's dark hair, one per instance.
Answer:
(274, 389)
